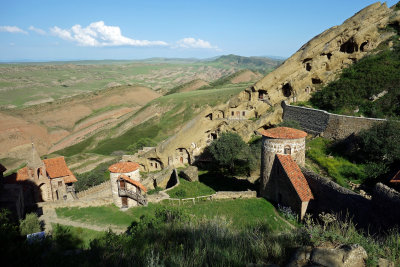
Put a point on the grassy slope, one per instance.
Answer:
(353, 92)
(184, 107)
(338, 168)
(241, 212)
(190, 189)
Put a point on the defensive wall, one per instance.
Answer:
(331, 126)
(381, 210)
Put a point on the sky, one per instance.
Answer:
(84, 30)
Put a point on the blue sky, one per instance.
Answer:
(68, 30)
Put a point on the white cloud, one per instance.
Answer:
(12, 29)
(190, 42)
(98, 34)
(37, 30)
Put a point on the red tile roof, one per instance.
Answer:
(56, 167)
(135, 183)
(396, 178)
(123, 167)
(296, 177)
(284, 133)
(22, 174)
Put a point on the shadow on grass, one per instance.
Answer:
(222, 182)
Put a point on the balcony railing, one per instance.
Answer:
(133, 195)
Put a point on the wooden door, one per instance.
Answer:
(124, 201)
(122, 184)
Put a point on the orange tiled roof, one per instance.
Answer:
(56, 167)
(123, 167)
(284, 133)
(22, 174)
(396, 178)
(296, 177)
(136, 183)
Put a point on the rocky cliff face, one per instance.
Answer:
(323, 57)
(317, 62)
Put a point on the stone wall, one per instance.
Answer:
(386, 203)
(100, 190)
(331, 126)
(380, 211)
(234, 194)
(333, 198)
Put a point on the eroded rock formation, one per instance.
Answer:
(316, 63)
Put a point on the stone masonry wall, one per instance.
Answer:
(386, 203)
(331, 126)
(380, 211)
(100, 190)
(333, 198)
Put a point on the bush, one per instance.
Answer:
(360, 82)
(30, 224)
(94, 177)
(231, 153)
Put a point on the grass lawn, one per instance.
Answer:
(190, 189)
(338, 168)
(240, 212)
(81, 236)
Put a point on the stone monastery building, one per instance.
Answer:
(50, 179)
(283, 150)
(127, 191)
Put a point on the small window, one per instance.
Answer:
(243, 113)
(287, 150)
(233, 113)
(151, 164)
(59, 184)
(156, 165)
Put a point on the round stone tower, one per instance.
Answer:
(281, 140)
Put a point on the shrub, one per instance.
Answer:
(30, 224)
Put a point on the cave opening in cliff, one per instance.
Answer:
(328, 55)
(349, 47)
(287, 89)
(362, 46)
(308, 66)
(316, 80)
(262, 94)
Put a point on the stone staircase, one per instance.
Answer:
(133, 195)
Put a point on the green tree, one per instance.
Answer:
(30, 224)
(229, 150)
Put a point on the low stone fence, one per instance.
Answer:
(95, 189)
(234, 194)
(217, 196)
(76, 203)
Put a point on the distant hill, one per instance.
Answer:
(189, 86)
(262, 64)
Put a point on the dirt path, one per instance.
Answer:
(50, 216)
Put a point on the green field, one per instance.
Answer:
(239, 212)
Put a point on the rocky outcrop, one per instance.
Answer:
(190, 174)
(343, 256)
(258, 107)
(323, 57)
